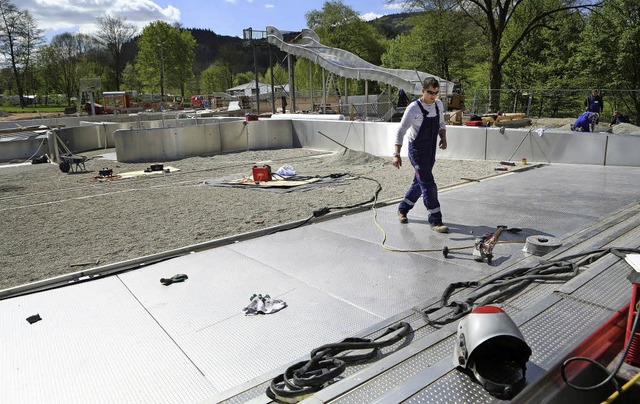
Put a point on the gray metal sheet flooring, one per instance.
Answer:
(127, 338)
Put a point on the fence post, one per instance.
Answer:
(473, 106)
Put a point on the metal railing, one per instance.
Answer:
(554, 103)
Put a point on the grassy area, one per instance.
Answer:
(18, 109)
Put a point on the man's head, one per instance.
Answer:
(594, 92)
(430, 89)
(617, 114)
(430, 82)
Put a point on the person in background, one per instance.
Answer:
(403, 100)
(585, 122)
(423, 121)
(594, 103)
(619, 117)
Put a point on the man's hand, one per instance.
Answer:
(397, 161)
(443, 138)
(443, 143)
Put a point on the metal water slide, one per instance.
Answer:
(346, 64)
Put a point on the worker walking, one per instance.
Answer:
(423, 121)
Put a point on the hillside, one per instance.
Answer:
(209, 45)
(393, 25)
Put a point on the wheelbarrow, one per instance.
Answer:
(72, 162)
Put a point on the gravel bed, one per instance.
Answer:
(55, 223)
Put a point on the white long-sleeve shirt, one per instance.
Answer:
(412, 120)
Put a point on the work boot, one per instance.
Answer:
(440, 228)
(403, 217)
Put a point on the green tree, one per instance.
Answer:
(242, 78)
(113, 33)
(48, 71)
(74, 55)
(130, 78)
(280, 75)
(338, 25)
(302, 79)
(540, 62)
(441, 42)
(182, 72)
(494, 17)
(216, 77)
(19, 39)
(234, 59)
(610, 51)
(165, 56)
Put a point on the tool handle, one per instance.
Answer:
(497, 234)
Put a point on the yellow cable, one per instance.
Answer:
(628, 384)
(624, 388)
(392, 249)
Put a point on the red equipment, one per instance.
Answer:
(633, 356)
(261, 172)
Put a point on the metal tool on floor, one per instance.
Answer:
(82, 264)
(483, 248)
(174, 279)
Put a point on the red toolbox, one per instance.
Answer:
(261, 172)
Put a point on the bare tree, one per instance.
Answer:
(19, 39)
(113, 33)
(70, 52)
(493, 17)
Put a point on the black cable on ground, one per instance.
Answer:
(610, 377)
(327, 209)
(307, 377)
(507, 284)
(372, 199)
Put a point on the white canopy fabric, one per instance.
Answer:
(346, 64)
(250, 87)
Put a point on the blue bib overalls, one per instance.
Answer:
(422, 155)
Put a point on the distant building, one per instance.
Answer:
(249, 90)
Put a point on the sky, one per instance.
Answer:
(224, 17)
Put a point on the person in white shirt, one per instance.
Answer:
(422, 122)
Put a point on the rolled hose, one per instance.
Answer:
(307, 377)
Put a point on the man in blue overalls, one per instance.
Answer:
(423, 121)
(585, 122)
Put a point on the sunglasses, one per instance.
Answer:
(433, 92)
